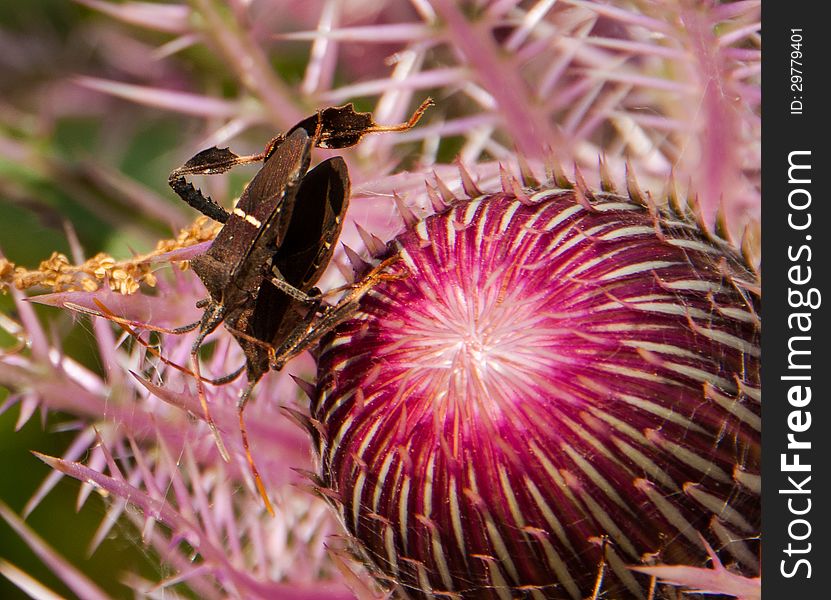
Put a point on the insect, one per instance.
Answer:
(275, 244)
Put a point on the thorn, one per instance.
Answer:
(504, 179)
(468, 185)
(359, 462)
(733, 278)
(359, 265)
(554, 171)
(446, 195)
(407, 215)
(695, 210)
(632, 187)
(345, 271)
(717, 565)
(299, 418)
(330, 495)
(439, 205)
(580, 183)
(313, 477)
(309, 425)
(529, 180)
(374, 245)
(52, 461)
(641, 198)
(659, 230)
(607, 184)
(721, 229)
(673, 200)
(580, 199)
(321, 429)
(381, 519)
(313, 490)
(652, 207)
(518, 192)
(750, 244)
(307, 387)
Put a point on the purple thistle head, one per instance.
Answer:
(543, 389)
(548, 393)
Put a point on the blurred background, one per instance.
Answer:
(60, 147)
(100, 100)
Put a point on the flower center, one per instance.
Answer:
(471, 335)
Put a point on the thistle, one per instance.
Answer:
(550, 391)
(548, 386)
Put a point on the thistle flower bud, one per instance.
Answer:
(546, 390)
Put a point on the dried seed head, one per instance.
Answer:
(124, 277)
(545, 391)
